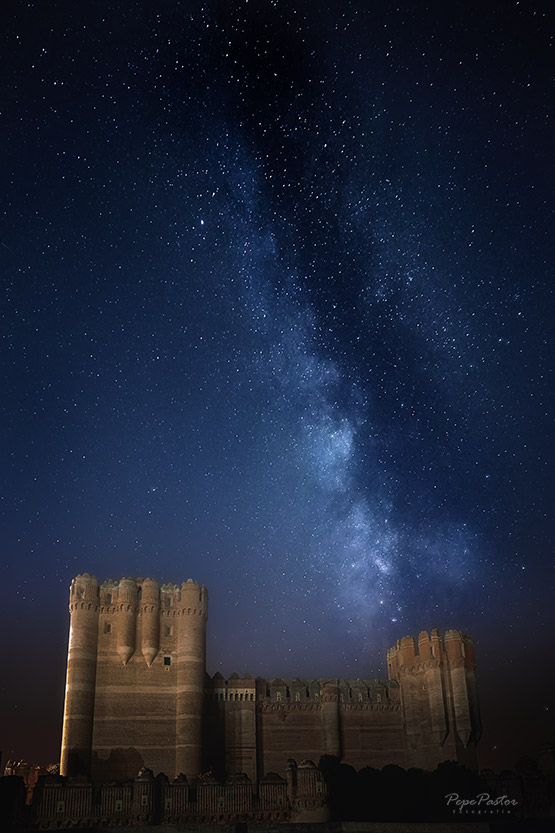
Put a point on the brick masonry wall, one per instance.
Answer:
(288, 731)
(134, 718)
(372, 735)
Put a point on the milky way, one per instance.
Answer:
(276, 318)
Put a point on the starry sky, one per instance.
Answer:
(277, 315)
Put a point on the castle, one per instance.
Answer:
(137, 695)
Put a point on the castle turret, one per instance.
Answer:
(434, 684)
(150, 612)
(474, 703)
(455, 650)
(192, 611)
(408, 650)
(331, 732)
(81, 674)
(126, 618)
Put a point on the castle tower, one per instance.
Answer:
(439, 699)
(135, 678)
(192, 611)
(81, 676)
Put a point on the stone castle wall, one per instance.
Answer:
(137, 696)
(60, 802)
(256, 724)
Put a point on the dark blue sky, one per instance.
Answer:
(277, 315)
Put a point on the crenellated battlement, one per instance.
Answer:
(296, 691)
(456, 648)
(83, 590)
(147, 799)
(141, 592)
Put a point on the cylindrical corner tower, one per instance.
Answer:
(81, 676)
(192, 610)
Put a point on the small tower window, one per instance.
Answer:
(144, 800)
(119, 805)
(108, 598)
(168, 630)
(60, 806)
(167, 660)
(278, 696)
(107, 627)
(297, 696)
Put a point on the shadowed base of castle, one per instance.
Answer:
(116, 765)
(331, 798)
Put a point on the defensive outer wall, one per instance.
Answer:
(137, 695)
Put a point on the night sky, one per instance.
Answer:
(277, 315)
